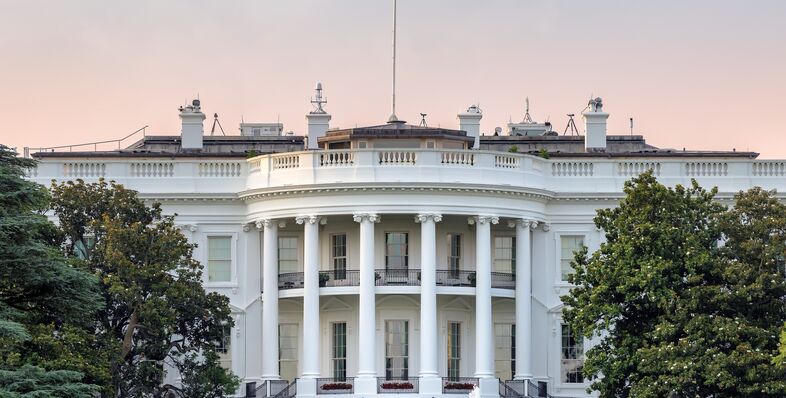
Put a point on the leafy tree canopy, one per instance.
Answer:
(685, 296)
(156, 309)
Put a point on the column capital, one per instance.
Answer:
(524, 222)
(246, 226)
(263, 223)
(546, 227)
(371, 217)
(423, 217)
(483, 220)
(311, 220)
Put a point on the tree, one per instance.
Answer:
(156, 309)
(44, 298)
(685, 296)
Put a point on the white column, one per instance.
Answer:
(269, 299)
(311, 326)
(484, 334)
(367, 316)
(428, 296)
(253, 317)
(523, 299)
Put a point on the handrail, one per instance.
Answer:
(94, 144)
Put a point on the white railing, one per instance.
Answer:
(572, 169)
(152, 169)
(220, 169)
(704, 169)
(506, 161)
(769, 168)
(84, 169)
(632, 169)
(458, 158)
(397, 157)
(341, 158)
(286, 161)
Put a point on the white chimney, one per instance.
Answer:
(595, 126)
(192, 130)
(469, 121)
(318, 119)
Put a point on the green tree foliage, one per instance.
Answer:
(156, 309)
(685, 296)
(44, 299)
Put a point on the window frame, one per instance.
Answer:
(297, 346)
(233, 259)
(333, 346)
(335, 273)
(406, 254)
(449, 352)
(512, 252)
(298, 252)
(558, 253)
(560, 348)
(407, 342)
(450, 257)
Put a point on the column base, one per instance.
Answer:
(523, 377)
(366, 385)
(306, 387)
(431, 385)
(489, 387)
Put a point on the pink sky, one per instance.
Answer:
(705, 75)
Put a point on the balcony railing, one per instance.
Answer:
(397, 277)
(455, 278)
(458, 385)
(290, 280)
(397, 385)
(331, 385)
(513, 388)
(339, 278)
(503, 280)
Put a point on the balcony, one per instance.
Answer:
(396, 277)
(397, 385)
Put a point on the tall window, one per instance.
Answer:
(504, 350)
(287, 254)
(219, 258)
(572, 356)
(504, 254)
(396, 250)
(396, 349)
(454, 350)
(339, 351)
(454, 254)
(338, 255)
(287, 351)
(224, 348)
(568, 245)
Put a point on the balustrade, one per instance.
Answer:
(152, 169)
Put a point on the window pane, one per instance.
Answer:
(572, 360)
(224, 348)
(338, 253)
(219, 258)
(339, 350)
(454, 253)
(396, 349)
(287, 351)
(504, 254)
(503, 348)
(287, 254)
(568, 245)
(396, 250)
(454, 350)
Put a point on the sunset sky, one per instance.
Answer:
(708, 75)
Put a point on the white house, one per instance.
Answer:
(397, 258)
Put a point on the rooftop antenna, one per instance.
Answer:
(527, 117)
(215, 121)
(393, 118)
(318, 100)
(423, 120)
(631, 127)
(571, 126)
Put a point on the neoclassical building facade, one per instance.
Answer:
(397, 258)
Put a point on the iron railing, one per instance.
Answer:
(459, 385)
(290, 280)
(28, 151)
(455, 278)
(397, 277)
(283, 389)
(397, 385)
(503, 280)
(332, 385)
(513, 388)
(339, 278)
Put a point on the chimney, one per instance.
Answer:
(318, 119)
(469, 121)
(595, 126)
(192, 130)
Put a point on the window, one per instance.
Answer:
(224, 348)
(504, 350)
(287, 254)
(396, 350)
(287, 351)
(338, 255)
(504, 254)
(568, 245)
(572, 356)
(454, 254)
(83, 248)
(454, 350)
(396, 250)
(339, 351)
(219, 259)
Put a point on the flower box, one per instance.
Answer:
(459, 386)
(397, 385)
(336, 386)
